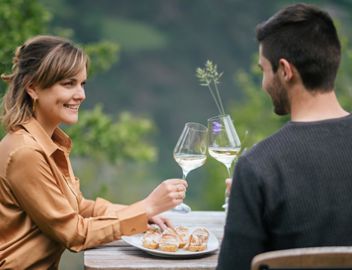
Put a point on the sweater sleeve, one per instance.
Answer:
(245, 234)
(36, 191)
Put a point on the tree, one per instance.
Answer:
(19, 20)
(102, 133)
(115, 140)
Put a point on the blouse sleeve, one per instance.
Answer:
(36, 191)
(95, 208)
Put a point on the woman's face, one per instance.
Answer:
(60, 102)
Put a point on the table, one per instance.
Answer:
(118, 255)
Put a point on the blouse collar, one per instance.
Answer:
(59, 140)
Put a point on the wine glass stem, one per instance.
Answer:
(227, 193)
(228, 171)
(182, 207)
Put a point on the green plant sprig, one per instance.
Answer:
(210, 77)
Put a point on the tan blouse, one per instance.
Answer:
(42, 210)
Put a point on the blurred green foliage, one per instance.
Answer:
(101, 55)
(255, 113)
(100, 136)
(344, 76)
(23, 19)
(19, 20)
(137, 35)
(97, 135)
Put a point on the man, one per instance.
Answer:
(294, 188)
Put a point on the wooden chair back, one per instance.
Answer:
(317, 258)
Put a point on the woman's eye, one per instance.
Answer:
(68, 83)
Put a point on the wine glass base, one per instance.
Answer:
(182, 208)
(226, 204)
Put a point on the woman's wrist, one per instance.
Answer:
(149, 210)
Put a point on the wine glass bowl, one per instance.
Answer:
(189, 162)
(190, 151)
(225, 155)
(223, 144)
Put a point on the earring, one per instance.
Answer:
(34, 105)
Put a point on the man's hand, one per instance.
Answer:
(228, 182)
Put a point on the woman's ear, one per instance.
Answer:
(32, 91)
(286, 69)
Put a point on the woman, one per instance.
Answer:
(42, 209)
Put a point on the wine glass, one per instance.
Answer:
(224, 144)
(190, 152)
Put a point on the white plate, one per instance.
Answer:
(136, 241)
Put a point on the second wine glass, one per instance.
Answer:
(191, 152)
(224, 143)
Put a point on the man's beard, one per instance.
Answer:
(279, 97)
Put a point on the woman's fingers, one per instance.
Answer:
(167, 195)
(180, 187)
(161, 221)
(180, 195)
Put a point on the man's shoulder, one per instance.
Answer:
(271, 144)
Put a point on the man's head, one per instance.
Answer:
(306, 38)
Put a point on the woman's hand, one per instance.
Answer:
(167, 195)
(161, 221)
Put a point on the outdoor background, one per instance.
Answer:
(143, 89)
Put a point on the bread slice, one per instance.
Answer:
(151, 239)
(169, 242)
(198, 240)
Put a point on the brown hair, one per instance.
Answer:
(306, 37)
(41, 61)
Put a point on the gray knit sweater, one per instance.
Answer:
(294, 189)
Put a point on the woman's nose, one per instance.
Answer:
(80, 93)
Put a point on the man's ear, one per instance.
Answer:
(286, 70)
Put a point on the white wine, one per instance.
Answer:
(225, 155)
(189, 162)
